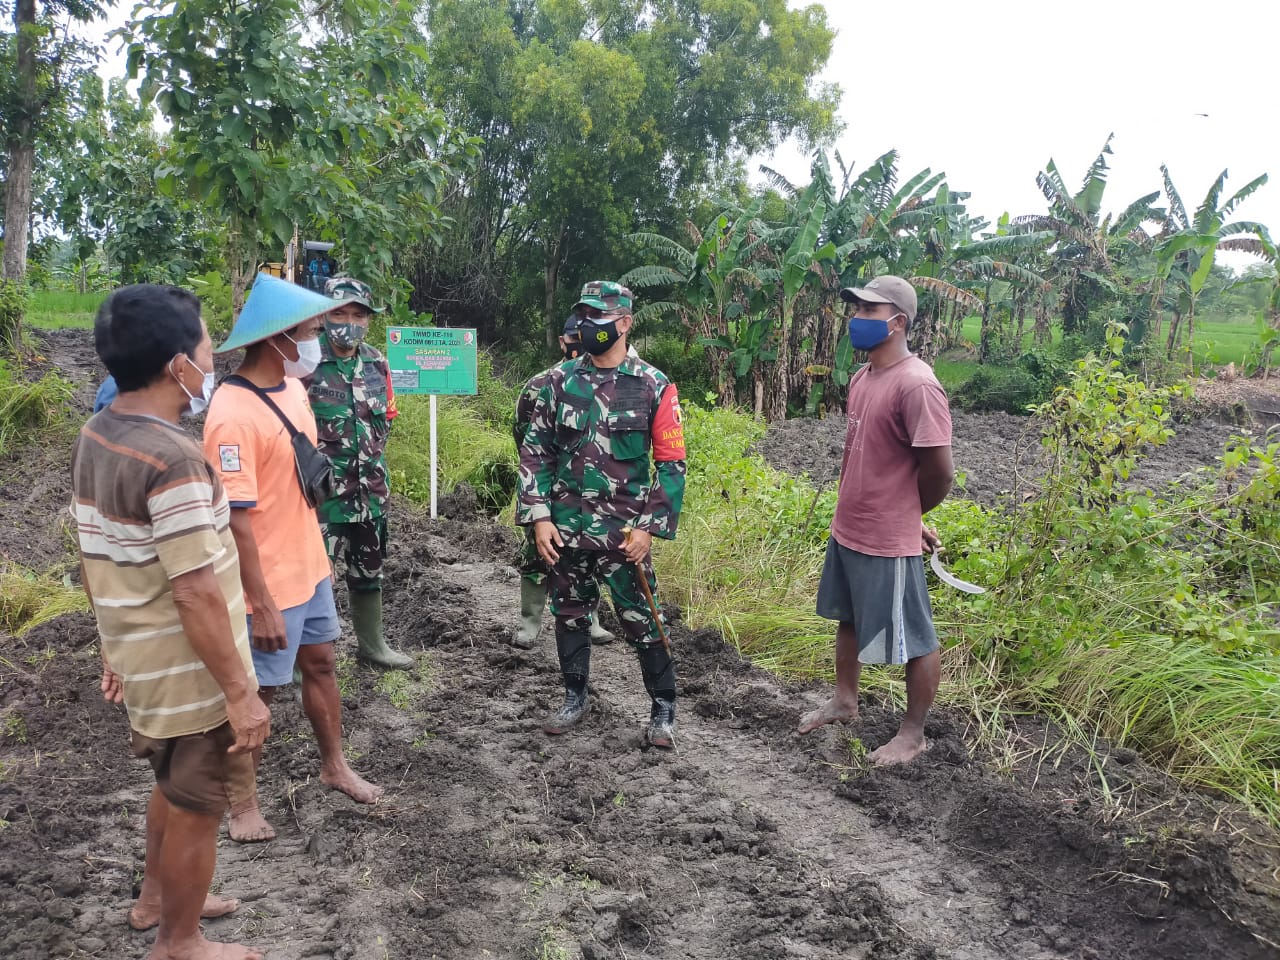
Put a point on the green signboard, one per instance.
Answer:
(436, 360)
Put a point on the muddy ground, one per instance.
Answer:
(496, 841)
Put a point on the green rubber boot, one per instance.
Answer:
(597, 633)
(371, 646)
(533, 597)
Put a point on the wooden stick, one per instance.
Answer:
(648, 594)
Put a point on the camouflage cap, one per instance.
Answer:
(604, 295)
(350, 290)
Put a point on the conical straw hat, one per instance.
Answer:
(273, 306)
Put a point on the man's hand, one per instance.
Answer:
(636, 545)
(547, 538)
(112, 690)
(250, 721)
(929, 541)
(269, 633)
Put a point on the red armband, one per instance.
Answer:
(668, 427)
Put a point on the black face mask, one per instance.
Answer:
(597, 338)
(572, 349)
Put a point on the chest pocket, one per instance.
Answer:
(629, 419)
(572, 416)
(628, 434)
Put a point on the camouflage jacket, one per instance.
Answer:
(584, 462)
(353, 404)
(529, 395)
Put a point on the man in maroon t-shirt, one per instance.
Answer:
(896, 468)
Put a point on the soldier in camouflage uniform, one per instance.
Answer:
(353, 403)
(587, 489)
(533, 569)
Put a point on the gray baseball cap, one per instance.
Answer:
(893, 290)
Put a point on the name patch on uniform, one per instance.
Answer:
(229, 456)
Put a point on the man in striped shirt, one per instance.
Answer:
(159, 563)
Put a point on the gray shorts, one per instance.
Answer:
(885, 599)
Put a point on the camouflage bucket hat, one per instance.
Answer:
(350, 290)
(604, 295)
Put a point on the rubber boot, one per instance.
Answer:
(371, 646)
(659, 672)
(598, 634)
(574, 648)
(533, 597)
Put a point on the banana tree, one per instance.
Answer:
(1187, 247)
(710, 284)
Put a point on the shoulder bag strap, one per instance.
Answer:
(239, 381)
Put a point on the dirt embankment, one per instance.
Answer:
(496, 841)
(997, 455)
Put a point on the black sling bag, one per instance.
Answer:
(313, 469)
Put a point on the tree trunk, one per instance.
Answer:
(551, 279)
(1175, 326)
(779, 388)
(242, 257)
(925, 330)
(20, 146)
(1191, 337)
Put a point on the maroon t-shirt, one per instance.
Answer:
(889, 412)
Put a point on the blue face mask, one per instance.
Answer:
(865, 334)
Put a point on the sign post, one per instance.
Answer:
(434, 361)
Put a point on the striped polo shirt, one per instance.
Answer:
(148, 508)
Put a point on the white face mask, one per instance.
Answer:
(308, 357)
(196, 405)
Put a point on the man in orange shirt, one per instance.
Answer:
(284, 566)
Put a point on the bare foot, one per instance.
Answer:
(352, 784)
(201, 949)
(903, 748)
(834, 710)
(144, 916)
(249, 826)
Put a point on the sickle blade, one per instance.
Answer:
(935, 561)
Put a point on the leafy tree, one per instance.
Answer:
(40, 60)
(270, 131)
(599, 117)
(104, 192)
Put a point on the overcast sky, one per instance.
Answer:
(990, 90)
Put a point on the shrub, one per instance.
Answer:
(14, 299)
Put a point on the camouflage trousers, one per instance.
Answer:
(574, 588)
(529, 562)
(364, 548)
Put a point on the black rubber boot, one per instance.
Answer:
(661, 731)
(659, 672)
(574, 648)
(576, 704)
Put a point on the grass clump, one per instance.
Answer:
(63, 309)
(30, 408)
(28, 599)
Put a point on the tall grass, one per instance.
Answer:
(31, 408)
(28, 599)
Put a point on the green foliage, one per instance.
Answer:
(274, 125)
(15, 299)
(31, 410)
(215, 303)
(597, 116)
(59, 309)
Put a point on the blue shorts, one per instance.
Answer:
(315, 621)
